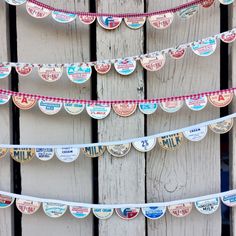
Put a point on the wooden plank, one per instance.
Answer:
(232, 74)
(5, 166)
(47, 41)
(121, 180)
(193, 169)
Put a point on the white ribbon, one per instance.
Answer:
(118, 142)
(113, 206)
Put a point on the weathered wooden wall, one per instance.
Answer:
(49, 41)
(128, 173)
(5, 167)
(188, 171)
(192, 170)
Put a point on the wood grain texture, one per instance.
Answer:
(121, 180)
(5, 165)
(193, 169)
(232, 74)
(47, 41)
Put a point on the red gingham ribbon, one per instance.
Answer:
(110, 102)
(175, 9)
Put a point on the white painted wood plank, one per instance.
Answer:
(194, 169)
(5, 165)
(121, 180)
(47, 41)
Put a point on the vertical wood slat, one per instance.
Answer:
(47, 41)
(5, 166)
(121, 180)
(193, 169)
(232, 74)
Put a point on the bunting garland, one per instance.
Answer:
(170, 140)
(158, 19)
(124, 108)
(207, 205)
(80, 72)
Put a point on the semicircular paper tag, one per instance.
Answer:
(3, 152)
(205, 47)
(148, 108)
(196, 134)
(135, 22)
(95, 151)
(67, 154)
(207, 3)
(196, 104)
(87, 20)
(188, 12)
(171, 142)
(119, 150)
(171, 106)
(98, 111)
(180, 210)
(50, 74)
(221, 100)
(177, 53)
(4, 98)
(127, 213)
(37, 11)
(222, 127)
(22, 155)
(23, 102)
(74, 108)
(229, 200)
(6, 201)
(104, 213)
(79, 74)
(63, 17)
(24, 70)
(15, 2)
(5, 70)
(208, 206)
(79, 212)
(124, 109)
(44, 154)
(153, 63)
(145, 145)
(109, 22)
(228, 37)
(154, 213)
(161, 21)
(226, 2)
(125, 66)
(27, 207)
(102, 68)
(54, 210)
(49, 107)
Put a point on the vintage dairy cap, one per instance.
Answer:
(171, 142)
(54, 210)
(98, 111)
(145, 145)
(127, 213)
(109, 22)
(79, 212)
(119, 150)
(124, 109)
(44, 154)
(154, 213)
(103, 214)
(22, 154)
